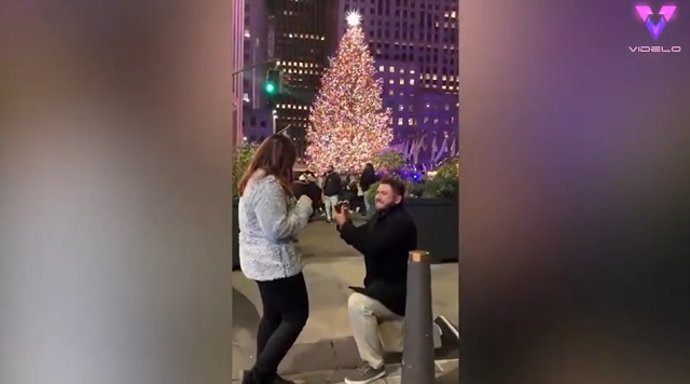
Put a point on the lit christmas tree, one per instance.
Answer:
(349, 124)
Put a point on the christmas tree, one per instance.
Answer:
(349, 125)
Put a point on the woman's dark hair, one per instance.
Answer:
(276, 156)
(369, 167)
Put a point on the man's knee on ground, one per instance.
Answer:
(359, 303)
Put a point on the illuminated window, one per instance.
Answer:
(391, 81)
(410, 121)
(452, 14)
(444, 78)
(401, 107)
(391, 92)
(447, 107)
(435, 121)
(402, 82)
(435, 77)
(426, 120)
(391, 69)
(381, 68)
(400, 121)
(412, 71)
(402, 70)
(411, 81)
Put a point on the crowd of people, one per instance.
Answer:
(331, 187)
(273, 211)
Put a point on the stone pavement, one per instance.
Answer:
(447, 372)
(325, 347)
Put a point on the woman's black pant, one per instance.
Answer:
(286, 309)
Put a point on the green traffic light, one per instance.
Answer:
(270, 87)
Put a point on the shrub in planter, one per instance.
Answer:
(241, 158)
(444, 182)
(389, 161)
(240, 161)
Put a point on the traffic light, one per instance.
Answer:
(270, 87)
(272, 82)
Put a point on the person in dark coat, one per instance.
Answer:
(332, 188)
(304, 186)
(367, 179)
(385, 241)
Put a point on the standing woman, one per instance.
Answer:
(270, 218)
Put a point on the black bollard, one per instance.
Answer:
(418, 353)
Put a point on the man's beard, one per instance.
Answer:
(385, 208)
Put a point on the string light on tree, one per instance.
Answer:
(349, 124)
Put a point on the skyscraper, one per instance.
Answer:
(257, 122)
(237, 64)
(415, 45)
(293, 33)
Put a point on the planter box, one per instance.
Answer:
(437, 227)
(235, 237)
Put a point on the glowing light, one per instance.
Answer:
(270, 88)
(353, 18)
(349, 123)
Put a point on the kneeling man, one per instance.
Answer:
(385, 241)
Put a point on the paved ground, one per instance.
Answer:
(325, 347)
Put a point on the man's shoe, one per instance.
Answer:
(366, 374)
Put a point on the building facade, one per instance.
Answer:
(237, 107)
(415, 46)
(293, 35)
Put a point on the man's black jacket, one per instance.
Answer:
(385, 241)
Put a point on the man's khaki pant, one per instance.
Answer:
(365, 315)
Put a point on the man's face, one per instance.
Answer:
(386, 197)
(330, 169)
